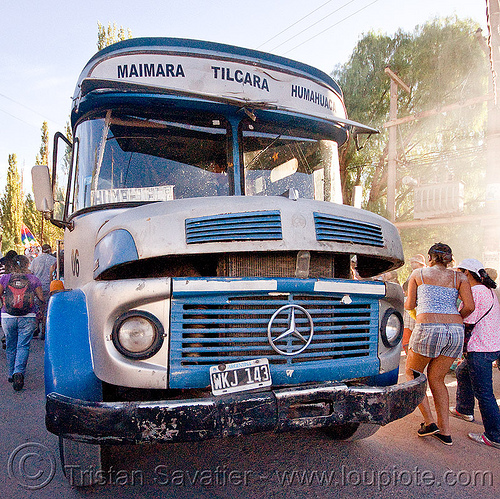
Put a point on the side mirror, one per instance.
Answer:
(42, 188)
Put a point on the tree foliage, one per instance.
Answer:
(111, 34)
(43, 231)
(42, 157)
(443, 63)
(11, 205)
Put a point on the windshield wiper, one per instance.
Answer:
(263, 151)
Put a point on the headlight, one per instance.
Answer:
(391, 328)
(137, 334)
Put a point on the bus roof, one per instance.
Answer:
(216, 72)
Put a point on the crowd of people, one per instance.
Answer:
(453, 313)
(25, 289)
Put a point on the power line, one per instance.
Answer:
(28, 108)
(443, 157)
(314, 24)
(292, 25)
(333, 25)
(436, 158)
(17, 118)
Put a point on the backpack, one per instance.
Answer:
(19, 295)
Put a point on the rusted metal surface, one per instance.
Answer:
(317, 405)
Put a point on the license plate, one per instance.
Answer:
(240, 376)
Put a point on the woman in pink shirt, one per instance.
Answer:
(474, 375)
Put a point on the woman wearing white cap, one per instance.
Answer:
(437, 339)
(474, 375)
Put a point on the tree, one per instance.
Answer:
(33, 218)
(111, 34)
(443, 63)
(44, 232)
(11, 205)
(43, 157)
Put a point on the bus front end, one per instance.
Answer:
(215, 283)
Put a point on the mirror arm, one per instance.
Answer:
(61, 223)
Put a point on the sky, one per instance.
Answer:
(45, 45)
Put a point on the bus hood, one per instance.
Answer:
(254, 224)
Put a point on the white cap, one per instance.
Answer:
(471, 264)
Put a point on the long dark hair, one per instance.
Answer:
(441, 253)
(484, 279)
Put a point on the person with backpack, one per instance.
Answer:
(7, 263)
(18, 290)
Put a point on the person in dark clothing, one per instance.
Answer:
(19, 328)
(8, 262)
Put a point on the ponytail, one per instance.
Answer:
(486, 280)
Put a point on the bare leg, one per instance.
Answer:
(417, 362)
(437, 370)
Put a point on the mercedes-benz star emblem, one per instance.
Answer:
(276, 334)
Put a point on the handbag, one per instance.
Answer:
(469, 327)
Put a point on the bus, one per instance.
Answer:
(214, 282)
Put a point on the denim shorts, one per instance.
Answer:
(433, 340)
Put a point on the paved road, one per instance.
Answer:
(394, 462)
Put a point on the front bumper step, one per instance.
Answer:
(280, 410)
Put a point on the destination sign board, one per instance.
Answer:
(223, 80)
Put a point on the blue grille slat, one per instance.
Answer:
(253, 226)
(340, 229)
(270, 226)
(308, 353)
(342, 309)
(255, 339)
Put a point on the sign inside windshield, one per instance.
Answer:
(160, 193)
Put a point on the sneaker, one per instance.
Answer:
(18, 379)
(444, 439)
(426, 430)
(459, 415)
(481, 438)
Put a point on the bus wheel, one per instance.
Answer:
(351, 431)
(82, 463)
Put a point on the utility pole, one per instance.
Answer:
(491, 234)
(392, 149)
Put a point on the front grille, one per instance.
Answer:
(340, 229)
(248, 226)
(271, 264)
(218, 329)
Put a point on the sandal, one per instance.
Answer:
(444, 439)
(426, 430)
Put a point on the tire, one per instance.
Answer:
(82, 463)
(351, 431)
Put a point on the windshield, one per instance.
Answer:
(125, 158)
(277, 160)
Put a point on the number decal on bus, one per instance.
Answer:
(75, 262)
